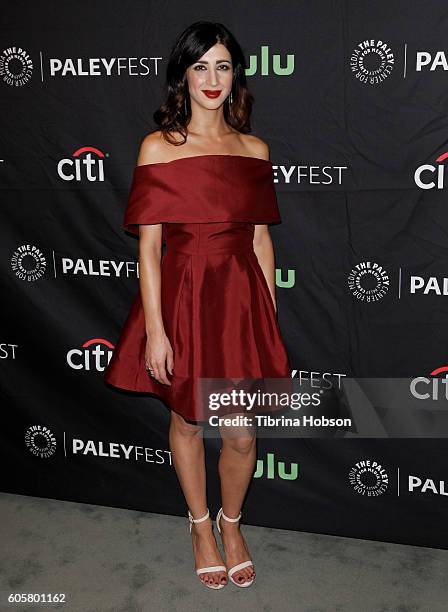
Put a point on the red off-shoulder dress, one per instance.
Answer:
(217, 309)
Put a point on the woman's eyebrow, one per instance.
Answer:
(217, 61)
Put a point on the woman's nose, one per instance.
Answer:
(212, 78)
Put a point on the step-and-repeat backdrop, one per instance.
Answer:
(352, 98)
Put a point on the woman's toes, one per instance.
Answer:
(245, 576)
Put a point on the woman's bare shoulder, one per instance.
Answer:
(155, 149)
(255, 146)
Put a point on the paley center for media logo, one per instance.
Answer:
(16, 66)
(368, 281)
(372, 61)
(41, 442)
(29, 264)
(370, 478)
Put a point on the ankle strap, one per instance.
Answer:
(198, 520)
(231, 520)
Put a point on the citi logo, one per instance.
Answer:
(431, 176)
(93, 355)
(86, 163)
(434, 388)
(269, 466)
(267, 62)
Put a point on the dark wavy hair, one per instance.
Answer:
(191, 45)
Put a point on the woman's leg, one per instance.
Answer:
(187, 450)
(236, 467)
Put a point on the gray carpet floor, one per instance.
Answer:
(113, 560)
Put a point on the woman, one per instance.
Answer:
(204, 186)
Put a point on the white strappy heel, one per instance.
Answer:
(242, 565)
(213, 568)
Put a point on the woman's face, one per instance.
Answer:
(211, 74)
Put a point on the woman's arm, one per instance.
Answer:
(150, 251)
(158, 353)
(265, 255)
(149, 257)
(262, 239)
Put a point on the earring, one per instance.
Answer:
(230, 97)
(185, 105)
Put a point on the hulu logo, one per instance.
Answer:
(270, 469)
(289, 282)
(266, 62)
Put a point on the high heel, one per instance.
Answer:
(239, 566)
(213, 568)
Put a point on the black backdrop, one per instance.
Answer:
(352, 99)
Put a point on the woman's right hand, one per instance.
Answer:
(158, 353)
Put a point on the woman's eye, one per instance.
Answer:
(200, 66)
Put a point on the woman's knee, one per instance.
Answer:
(183, 427)
(241, 443)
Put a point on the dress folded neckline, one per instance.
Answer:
(211, 155)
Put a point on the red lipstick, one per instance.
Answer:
(211, 94)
